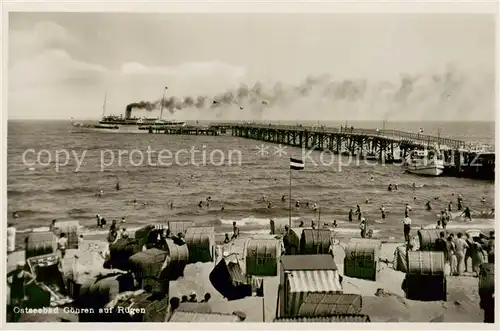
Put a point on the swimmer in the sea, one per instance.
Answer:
(269, 205)
(283, 198)
(101, 193)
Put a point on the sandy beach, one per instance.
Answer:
(388, 306)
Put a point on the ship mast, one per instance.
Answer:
(104, 104)
(162, 99)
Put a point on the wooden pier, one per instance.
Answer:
(387, 146)
(384, 145)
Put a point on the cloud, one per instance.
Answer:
(42, 36)
(186, 78)
(55, 67)
(185, 69)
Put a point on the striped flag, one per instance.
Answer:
(296, 164)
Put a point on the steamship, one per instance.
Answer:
(127, 124)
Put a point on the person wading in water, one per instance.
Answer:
(382, 211)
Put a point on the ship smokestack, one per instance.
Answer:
(128, 112)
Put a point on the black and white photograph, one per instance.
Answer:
(249, 167)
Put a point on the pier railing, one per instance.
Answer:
(398, 135)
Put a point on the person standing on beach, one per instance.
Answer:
(11, 238)
(444, 219)
(362, 227)
(459, 202)
(467, 214)
(476, 252)
(440, 245)
(450, 246)
(113, 226)
(382, 211)
(468, 251)
(461, 247)
(236, 231)
(449, 206)
(19, 281)
(112, 235)
(406, 228)
(62, 244)
(350, 215)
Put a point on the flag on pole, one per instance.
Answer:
(296, 164)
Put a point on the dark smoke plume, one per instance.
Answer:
(438, 93)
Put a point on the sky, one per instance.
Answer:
(62, 64)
